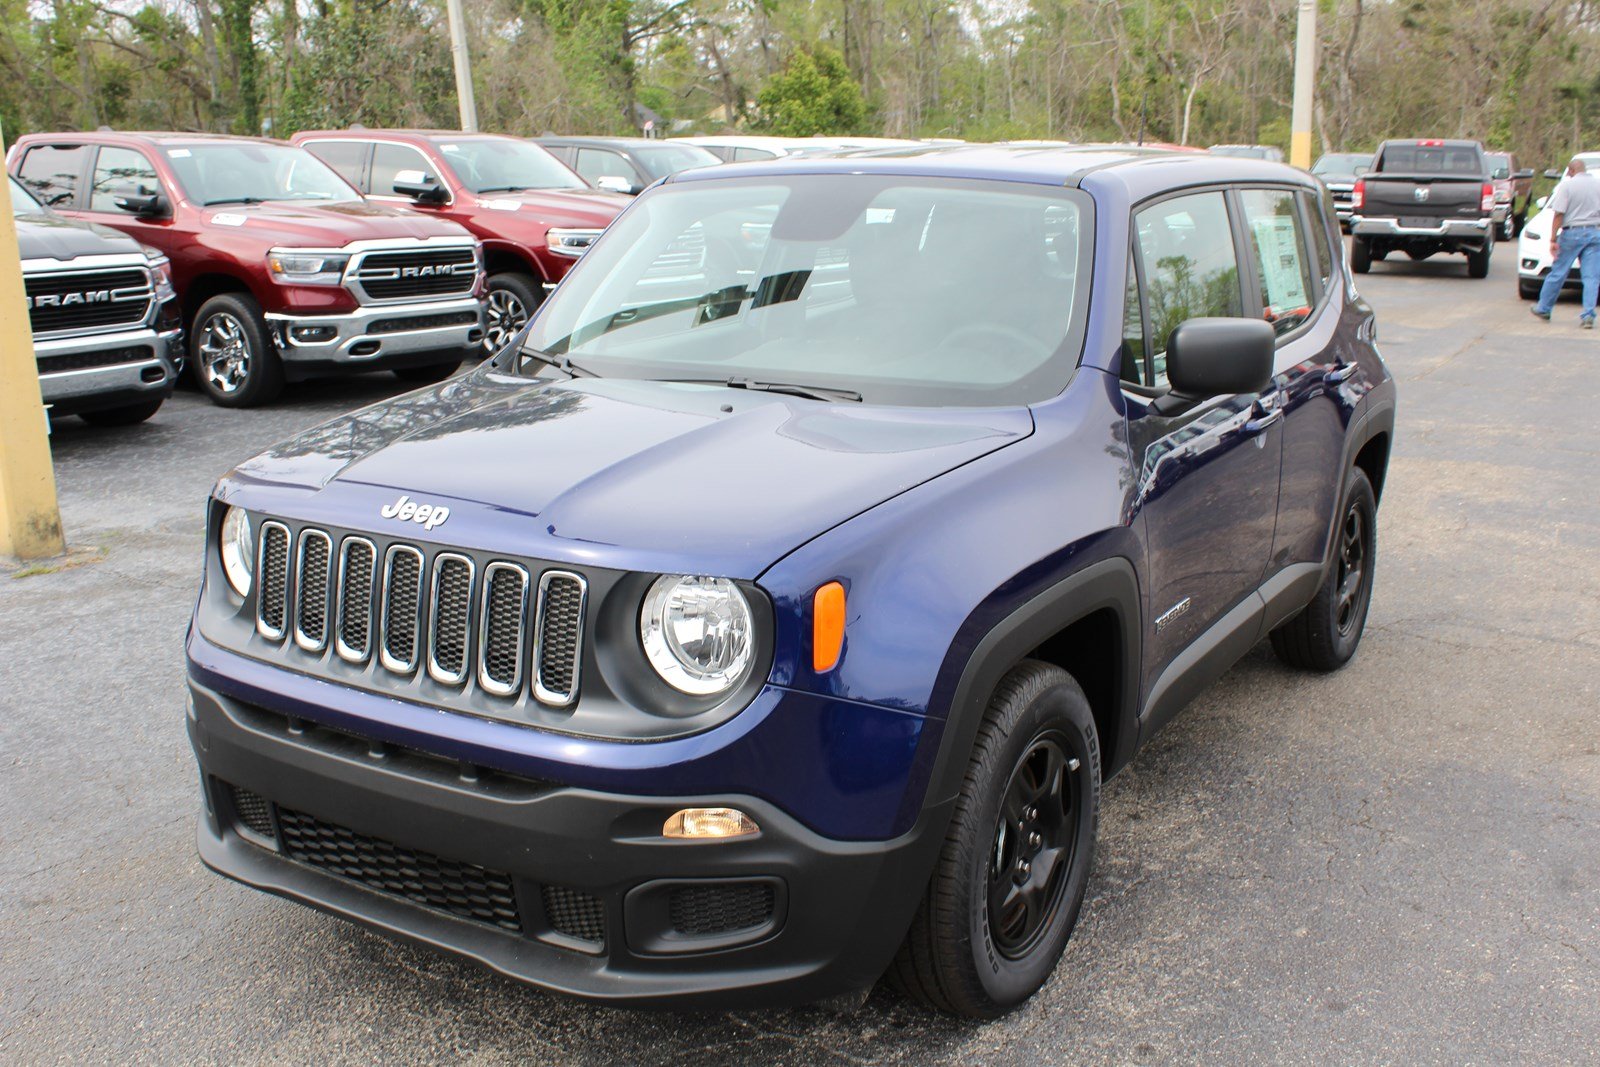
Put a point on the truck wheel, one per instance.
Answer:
(131, 415)
(234, 363)
(1360, 255)
(1325, 634)
(1508, 228)
(1478, 262)
(427, 374)
(512, 300)
(1010, 879)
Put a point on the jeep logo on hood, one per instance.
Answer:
(407, 510)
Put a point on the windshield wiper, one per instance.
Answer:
(560, 363)
(235, 200)
(505, 189)
(810, 392)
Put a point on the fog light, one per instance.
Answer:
(312, 334)
(709, 824)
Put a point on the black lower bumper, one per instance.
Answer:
(567, 889)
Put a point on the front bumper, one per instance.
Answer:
(570, 889)
(107, 370)
(1466, 229)
(379, 335)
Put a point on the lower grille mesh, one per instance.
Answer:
(460, 889)
(253, 810)
(575, 913)
(720, 909)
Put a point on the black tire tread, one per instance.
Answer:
(917, 970)
(1305, 641)
(266, 379)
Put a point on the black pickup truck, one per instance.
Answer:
(1423, 197)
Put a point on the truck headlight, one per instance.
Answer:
(238, 544)
(289, 267)
(698, 633)
(570, 242)
(160, 274)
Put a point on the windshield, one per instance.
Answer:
(22, 203)
(660, 161)
(492, 165)
(902, 290)
(1344, 163)
(249, 173)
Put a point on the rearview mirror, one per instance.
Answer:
(138, 201)
(1216, 357)
(421, 187)
(616, 183)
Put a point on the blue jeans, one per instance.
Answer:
(1574, 243)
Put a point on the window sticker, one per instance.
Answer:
(1280, 262)
(415, 177)
(178, 153)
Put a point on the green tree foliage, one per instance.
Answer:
(815, 94)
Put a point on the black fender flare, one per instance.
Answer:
(1108, 584)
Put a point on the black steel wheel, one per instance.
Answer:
(1325, 635)
(1011, 875)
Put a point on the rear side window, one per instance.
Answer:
(118, 171)
(347, 158)
(1190, 269)
(391, 160)
(54, 175)
(1277, 242)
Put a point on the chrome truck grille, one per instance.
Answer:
(498, 628)
(87, 301)
(417, 274)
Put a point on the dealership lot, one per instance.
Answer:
(1393, 863)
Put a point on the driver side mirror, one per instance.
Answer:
(422, 187)
(1554, 175)
(616, 183)
(1216, 357)
(136, 200)
(1523, 174)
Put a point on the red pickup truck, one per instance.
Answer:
(283, 269)
(533, 214)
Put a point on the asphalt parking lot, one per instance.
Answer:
(1397, 863)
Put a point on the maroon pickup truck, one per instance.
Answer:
(534, 216)
(284, 271)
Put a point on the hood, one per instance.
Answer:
(551, 207)
(312, 225)
(53, 237)
(631, 475)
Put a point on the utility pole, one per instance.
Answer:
(30, 521)
(1305, 84)
(463, 64)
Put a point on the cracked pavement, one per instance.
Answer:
(1396, 863)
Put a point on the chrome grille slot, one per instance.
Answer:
(402, 608)
(272, 572)
(312, 566)
(450, 618)
(357, 560)
(558, 637)
(416, 274)
(502, 628)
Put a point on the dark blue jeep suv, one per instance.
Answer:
(765, 619)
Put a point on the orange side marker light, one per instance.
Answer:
(827, 629)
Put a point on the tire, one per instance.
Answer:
(1037, 739)
(234, 362)
(1507, 229)
(1478, 262)
(512, 300)
(131, 415)
(428, 373)
(1327, 632)
(1528, 290)
(1360, 255)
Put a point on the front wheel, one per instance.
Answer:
(234, 363)
(513, 298)
(1478, 262)
(1360, 255)
(1011, 875)
(1324, 636)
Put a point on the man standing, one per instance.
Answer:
(1574, 237)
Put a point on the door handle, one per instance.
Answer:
(1260, 420)
(1339, 373)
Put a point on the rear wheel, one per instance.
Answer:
(513, 298)
(234, 363)
(131, 415)
(1360, 255)
(1011, 876)
(1478, 262)
(1326, 634)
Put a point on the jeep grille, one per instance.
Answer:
(491, 628)
(420, 274)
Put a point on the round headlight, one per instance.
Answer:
(238, 550)
(697, 633)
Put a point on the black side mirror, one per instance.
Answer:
(142, 202)
(1554, 175)
(424, 188)
(1524, 174)
(1216, 357)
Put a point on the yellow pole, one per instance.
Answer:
(30, 522)
(1305, 84)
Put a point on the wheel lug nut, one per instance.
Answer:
(1034, 841)
(1022, 868)
(1031, 814)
